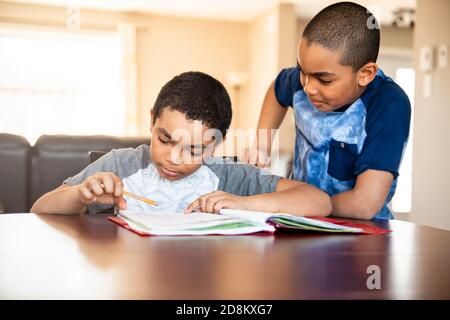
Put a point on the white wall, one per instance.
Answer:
(273, 46)
(431, 164)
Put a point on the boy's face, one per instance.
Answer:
(179, 145)
(328, 84)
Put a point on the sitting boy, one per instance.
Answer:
(178, 170)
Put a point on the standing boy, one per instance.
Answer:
(352, 121)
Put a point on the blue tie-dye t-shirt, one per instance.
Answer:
(333, 148)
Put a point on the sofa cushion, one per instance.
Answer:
(14, 173)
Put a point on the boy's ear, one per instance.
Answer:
(367, 73)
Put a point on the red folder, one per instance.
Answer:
(368, 230)
(123, 223)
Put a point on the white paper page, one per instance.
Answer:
(170, 221)
(230, 231)
(321, 224)
(262, 217)
(178, 224)
(254, 216)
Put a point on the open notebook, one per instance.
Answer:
(233, 222)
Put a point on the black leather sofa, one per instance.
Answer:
(27, 172)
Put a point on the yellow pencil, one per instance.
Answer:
(135, 196)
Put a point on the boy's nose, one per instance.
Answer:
(175, 157)
(308, 87)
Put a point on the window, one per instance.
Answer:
(397, 63)
(60, 82)
(402, 200)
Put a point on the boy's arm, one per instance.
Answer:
(271, 116)
(100, 188)
(379, 161)
(63, 200)
(366, 198)
(290, 197)
(293, 197)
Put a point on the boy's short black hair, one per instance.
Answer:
(198, 96)
(347, 26)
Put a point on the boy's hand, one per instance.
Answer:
(102, 188)
(214, 201)
(259, 157)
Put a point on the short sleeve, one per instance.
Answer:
(387, 127)
(244, 180)
(106, 163)
(286, 84)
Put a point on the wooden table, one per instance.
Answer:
(89, 257)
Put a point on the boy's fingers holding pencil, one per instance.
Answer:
(110, 183)
(86, 197)
(85, 193)
(95, 186)
(117, 186)
(107, 183)
(107, 188)
(121, 203)
(102, 188)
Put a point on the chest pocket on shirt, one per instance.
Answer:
(342, 160)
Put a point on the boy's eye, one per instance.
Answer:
(163, 141)
(192, 152)
(325, 82)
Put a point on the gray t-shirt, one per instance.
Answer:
(139, 175)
